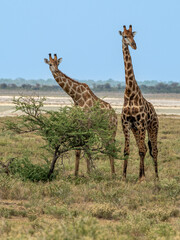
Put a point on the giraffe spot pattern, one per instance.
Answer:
(129, 65)
(130, 72)
(84, 97)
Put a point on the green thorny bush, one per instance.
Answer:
(69, 128)
(26, 170)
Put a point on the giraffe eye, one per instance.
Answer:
(50, 64)
(125, 36)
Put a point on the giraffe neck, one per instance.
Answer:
(70, 86)
(79, 92)
(131, 85)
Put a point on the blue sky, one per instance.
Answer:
(85, 34)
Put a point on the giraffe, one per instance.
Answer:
(138, 115)
(82, 97)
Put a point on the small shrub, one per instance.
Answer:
(26, 170)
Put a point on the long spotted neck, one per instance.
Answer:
(70, 86)
(132, 87)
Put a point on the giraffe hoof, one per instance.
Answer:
(113, 175)
(142, 179)
(156, 179)
(124, 178)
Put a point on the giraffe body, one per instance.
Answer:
(82, 97)
(138, 115)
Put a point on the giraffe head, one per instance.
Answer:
(53, 63)
(128, 37)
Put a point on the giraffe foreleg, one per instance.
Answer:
(111, 159)
(113, 126)
(126, 131)
(89, 160)
(78, 154)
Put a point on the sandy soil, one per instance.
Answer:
(168, 104)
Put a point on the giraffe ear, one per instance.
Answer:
(59, 60)
(120, 33)
(46, 61)
(134, 33)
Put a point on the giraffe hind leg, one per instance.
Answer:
(152, 143)
(140, 140)
(112, 165)
(111, 158)
(150, 148)
(78, 154)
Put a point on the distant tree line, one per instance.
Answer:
(161, 88)
(158, 88)
(36, 87)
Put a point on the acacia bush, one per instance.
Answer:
(26, 170)
(69, 128)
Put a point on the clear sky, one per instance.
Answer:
(85, 34)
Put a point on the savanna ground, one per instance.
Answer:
(93, 206)
(164, 103)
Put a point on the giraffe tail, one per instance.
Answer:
(150, 148)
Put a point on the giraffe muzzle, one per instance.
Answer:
(134, 46)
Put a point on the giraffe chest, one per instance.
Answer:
(134, 118)
(138, 116)
(132, 110)
(133, 104)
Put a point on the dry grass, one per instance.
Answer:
(94, 206)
